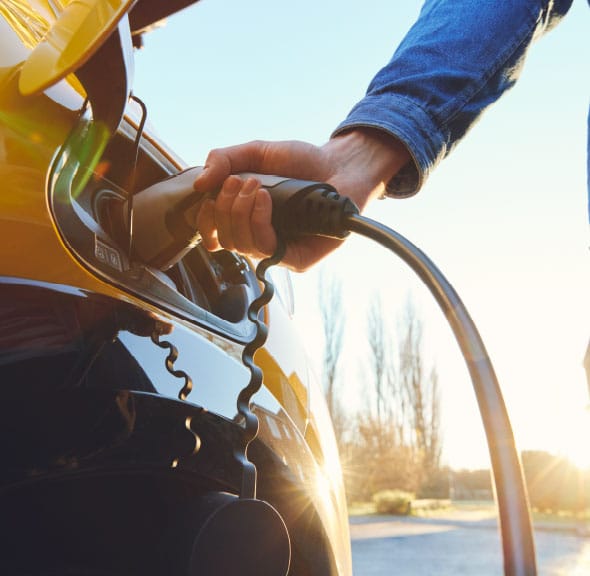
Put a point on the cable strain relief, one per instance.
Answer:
(316, 209)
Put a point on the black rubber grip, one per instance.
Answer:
(301, 207)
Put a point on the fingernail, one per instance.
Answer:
(249, 187)
(261, 202)
(231, 186)
(200, 175)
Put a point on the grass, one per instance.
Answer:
(361, 509)
(419, 507)
(465, 508)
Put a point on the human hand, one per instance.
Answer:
(358, 164)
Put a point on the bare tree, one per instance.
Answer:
(434, 437)
(379, 342)
(421, 393)
(332, 313)
(397, 439)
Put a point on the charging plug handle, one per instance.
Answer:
(302, 207)
(299, 207)
(163, 230)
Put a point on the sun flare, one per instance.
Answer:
(573, 440)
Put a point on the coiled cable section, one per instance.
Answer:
(184, 391)
(249, 419)
(170, 361)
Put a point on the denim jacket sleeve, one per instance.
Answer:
(458, 58)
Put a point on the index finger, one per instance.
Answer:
(222, 162)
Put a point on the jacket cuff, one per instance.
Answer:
(403, 119)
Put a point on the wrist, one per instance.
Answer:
(367, 158)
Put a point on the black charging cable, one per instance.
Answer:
(132, 178)
(317, 209)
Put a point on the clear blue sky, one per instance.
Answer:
(504, 216)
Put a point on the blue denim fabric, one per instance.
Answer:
(458, 58)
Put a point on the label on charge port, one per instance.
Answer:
(107, 255)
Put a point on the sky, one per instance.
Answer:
(504, 216)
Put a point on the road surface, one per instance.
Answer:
(457, 545)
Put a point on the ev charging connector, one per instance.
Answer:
(162, 232)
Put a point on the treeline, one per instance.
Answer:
(554, 483)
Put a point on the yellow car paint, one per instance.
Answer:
(40, 105)
(73, 38)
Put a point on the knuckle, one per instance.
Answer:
(218, 160)
(214, 154)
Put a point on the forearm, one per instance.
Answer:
(458, 58)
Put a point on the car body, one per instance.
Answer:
(110, 467)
